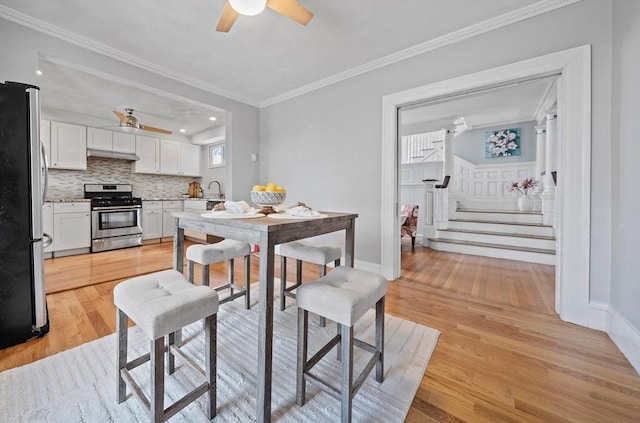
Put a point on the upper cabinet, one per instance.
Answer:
(148, 149)
(178, 158)
(68, 146)
(123, 142)
(102, 139)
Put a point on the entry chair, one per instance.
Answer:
(409, 222)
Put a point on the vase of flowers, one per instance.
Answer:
(524, 187)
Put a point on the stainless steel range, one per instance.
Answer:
(116, 216)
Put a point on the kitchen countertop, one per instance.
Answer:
(67, 200)
(180, 198)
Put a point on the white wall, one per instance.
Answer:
(325, 146)
(625, 112)
(21, 49)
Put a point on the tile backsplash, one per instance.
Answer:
(65, 184)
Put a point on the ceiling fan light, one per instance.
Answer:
(248, 7)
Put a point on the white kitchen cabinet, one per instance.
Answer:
(178, 158)
(99, 139)
(148, 149)
(47, 224)
(170, 157)
(71, 226)
(123, 142)
(151, 220)
(68, 146)
(168, 221)
(190, 159)
(45, 137)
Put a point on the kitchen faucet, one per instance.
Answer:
(220, 194)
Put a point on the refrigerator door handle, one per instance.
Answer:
(45, 166)
(35, 171)
(47, 240)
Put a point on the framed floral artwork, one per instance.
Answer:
(502, 143)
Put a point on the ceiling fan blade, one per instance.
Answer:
(227, 18)
(120, 115)
(291, 9)
(153, 129)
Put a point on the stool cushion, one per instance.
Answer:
(344, 295)
(318, 254)
(163, 302)
(220, 251)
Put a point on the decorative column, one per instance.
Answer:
(541, 139)
(548, 193)
(449, 169)
(429, 229)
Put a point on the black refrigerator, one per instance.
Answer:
(23, 308)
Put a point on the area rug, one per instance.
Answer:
(78, 385)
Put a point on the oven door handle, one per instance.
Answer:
(116, 208)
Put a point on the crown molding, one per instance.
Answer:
(492, 24)
(86, 43)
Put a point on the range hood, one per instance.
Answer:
(92, 152)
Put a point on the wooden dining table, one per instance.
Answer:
(266, 232)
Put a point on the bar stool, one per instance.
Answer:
(227, 249)
(344, 296)
(303, 251)
(160, 304)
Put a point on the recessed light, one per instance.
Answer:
(38, 72)
(183, 130)
(213, 118)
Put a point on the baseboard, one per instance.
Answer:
(625, 336)
(368, 266)
(598, 315)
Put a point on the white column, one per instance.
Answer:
(541, 140)
(429, 229)
(448, 169)
(548, 193)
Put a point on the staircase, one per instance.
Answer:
(510, 235)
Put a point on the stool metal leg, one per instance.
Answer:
(283, 282)
(171, 360)
(247, 280)
(121, 325)
(230, 276)
(157, 380)
(211, 338)
(205, 274)
(380, 339)
(322, 321)
(190, 266)
(346, 389)
(303, 327)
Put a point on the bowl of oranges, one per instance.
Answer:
(267, 196)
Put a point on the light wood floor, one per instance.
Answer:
(502, 356)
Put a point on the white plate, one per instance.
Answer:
(286, 216)
(226, 215)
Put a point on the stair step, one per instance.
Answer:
(498, 238)
(528, 254)
(502, 227)
(499, 216)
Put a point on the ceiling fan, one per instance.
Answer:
(129, 121)
(289, 8)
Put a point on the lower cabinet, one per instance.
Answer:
(157, 219)
(71, 227)
(168, 221)
(151, 220)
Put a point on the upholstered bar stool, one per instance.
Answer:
(228, 250)
(303, 251)
(344, 296)
(160, 304)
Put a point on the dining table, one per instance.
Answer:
(266, 232)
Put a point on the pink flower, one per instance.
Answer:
(523, 186)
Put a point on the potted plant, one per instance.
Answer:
(524, 187)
